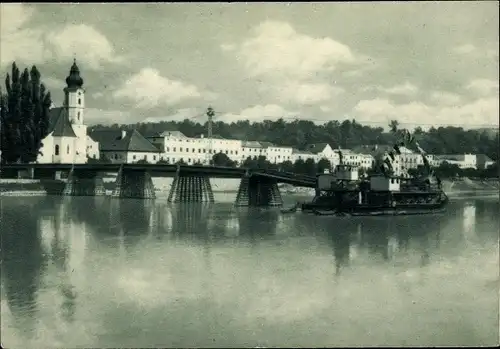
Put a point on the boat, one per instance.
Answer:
(343, 193)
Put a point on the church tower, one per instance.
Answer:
(74, 102)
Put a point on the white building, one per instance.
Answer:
(128, 147)
(277, 154)
(303, 155)
(67, 141)
(324, 151)
(175, 146)
(252, 149)
(462, 160)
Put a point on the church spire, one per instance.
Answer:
(74, 79)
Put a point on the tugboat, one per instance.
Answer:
(343, 193)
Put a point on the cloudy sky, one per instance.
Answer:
(428, 63)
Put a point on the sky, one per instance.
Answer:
(422, 63)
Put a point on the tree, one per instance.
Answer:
(25, 115)
(221, 159)
(322, 165)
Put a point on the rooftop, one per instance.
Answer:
(132, 142)
(59, 123)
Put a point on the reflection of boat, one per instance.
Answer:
(343, 192)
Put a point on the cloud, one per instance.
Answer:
(444, 98)
(258, 113)
(483, 87)
(465, 49)
(303, 93)
(28, 44)
(84, 42)
(95, 116)
(149, 89)
(483, 111)
(406, 89)
(17, 42)
(475, 52)
(179, 115)
(277, 49)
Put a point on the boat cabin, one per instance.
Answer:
(383, 183)
(346, 172)
(326, 181)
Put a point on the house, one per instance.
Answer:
(252, 149)
(128, 147)
(324, 151)
(461, 160)
(303, 155)
(278, 154)
(67, 140)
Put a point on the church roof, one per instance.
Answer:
(132, 142)
(59, 123)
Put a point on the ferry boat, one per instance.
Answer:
(344, 193)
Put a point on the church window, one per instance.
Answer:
(79, 101)
(78, 115)
(57, 149)
(67, 149)
(133, 157)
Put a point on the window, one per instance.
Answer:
(133, 157)
(168, 149)
(154, 157)
(67, 149)
(57, 149)
(199, 150)
(194, 150)
(174, 149)
(116, 156)
(189, 160)
(79, 101)
(180, 149)
(145, 157)
(78, 115)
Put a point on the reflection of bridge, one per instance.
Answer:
(258, 187)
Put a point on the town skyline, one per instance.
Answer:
(422, 64)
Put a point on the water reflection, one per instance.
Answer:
(23, 262)
(62, 255)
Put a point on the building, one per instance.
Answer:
(252, 149)
(276, 154)
(484, 161)
(67, 140)
(324, 151)
(461, 160)
(127, 147)
(303, 155)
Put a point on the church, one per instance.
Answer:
(67, 141)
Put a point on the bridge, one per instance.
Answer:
(258, 187)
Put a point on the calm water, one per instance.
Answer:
(96, 272)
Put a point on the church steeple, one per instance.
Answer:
(74, 80)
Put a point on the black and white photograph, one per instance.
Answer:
(249, 174)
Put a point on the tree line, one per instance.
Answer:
(347, 134)
(24, 115)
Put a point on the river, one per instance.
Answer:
(101, 272)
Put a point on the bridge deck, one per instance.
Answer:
(167, 169)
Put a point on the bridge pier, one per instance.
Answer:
(135, 184)
(258, 191)
(84, 183)
(191, 188)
